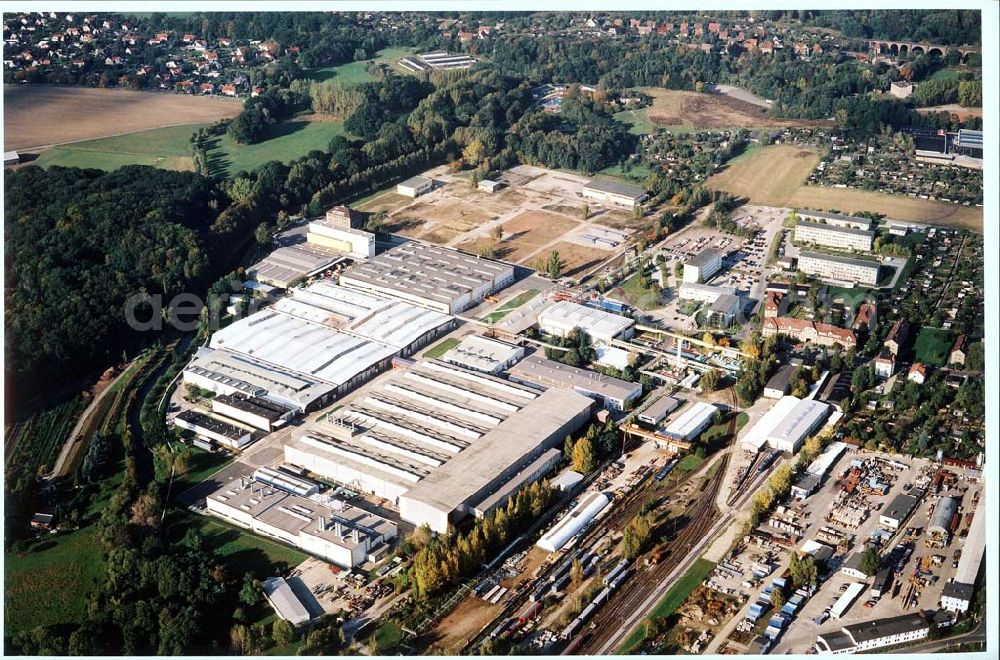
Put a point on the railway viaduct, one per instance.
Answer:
(897, 49)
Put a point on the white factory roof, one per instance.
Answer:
(566, 480)
(574, 521)
(595, 322)
(757, 435)
(303, 346)
(825, 461)
(799, 422)
(706, 288)
(690, 419)
(975, 545)
(483, 354)
(255, 378)
(364, 314)
(286, 604)
(610, 356)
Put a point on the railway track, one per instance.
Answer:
(612, 622)
(606, 626)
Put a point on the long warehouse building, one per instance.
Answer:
(440, 441)
(317, 344)
(442, 279)
(787, 424)
(561, 318)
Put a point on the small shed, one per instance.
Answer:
(490, 186)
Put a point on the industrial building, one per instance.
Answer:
(333, 234)
(561, 318)
(703, 265)
(224, 372)
(614, 192)
(845, 238)
(899, 509)
(316, 344)
(945, 511)
(694, 419)
(291, 264)
(868, 635)
(284, 601)
(441, 441)
(538, 371)
(337, 532)
(258, 412)
(437, 61)
(573, 522)
(655, 413)
(415, 186)
(957, 594)
(835, 219)
(484, 354)
(787, 424)
(368, 315)
(214, 428)
(839, 269)
(723, 311)
(778, 384)
(703, 292)
(852, 567)
(442, 279)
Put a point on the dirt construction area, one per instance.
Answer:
(37, 116)
(537, 210)
(776, 176)
(712, 111)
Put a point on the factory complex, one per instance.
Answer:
(440, 441)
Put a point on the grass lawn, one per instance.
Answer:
(48, 584)
(670, 602)
(689, 463)
(933, 346)
(638, 173)
(944, 74)
(354, 72)
(639, 297)
(288, 141)
(238, 548)
(167, 148)
(513, 303)
(202, 465)
(441, 348)
(387, 637)
(638, 121)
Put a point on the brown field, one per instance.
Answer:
(624, 219)
(952, 109)
(673, 107)
(40, 115)
(448, 219)
(455, 629)
(776, 175)
(578, 259)
(530, 231)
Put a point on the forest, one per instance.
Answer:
(78, 244)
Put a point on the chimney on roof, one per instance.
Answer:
(322, 524)
(356, 536)
(338, 528)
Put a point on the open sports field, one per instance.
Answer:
(354, 72)
(775, 176)
(682, 111)
(38, 116)
(48, 584)
(288, 141)
(167, 148)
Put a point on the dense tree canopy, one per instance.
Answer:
(79, 244)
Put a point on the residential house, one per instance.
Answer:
(918, 373)
(957, 355)
(897, 336)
